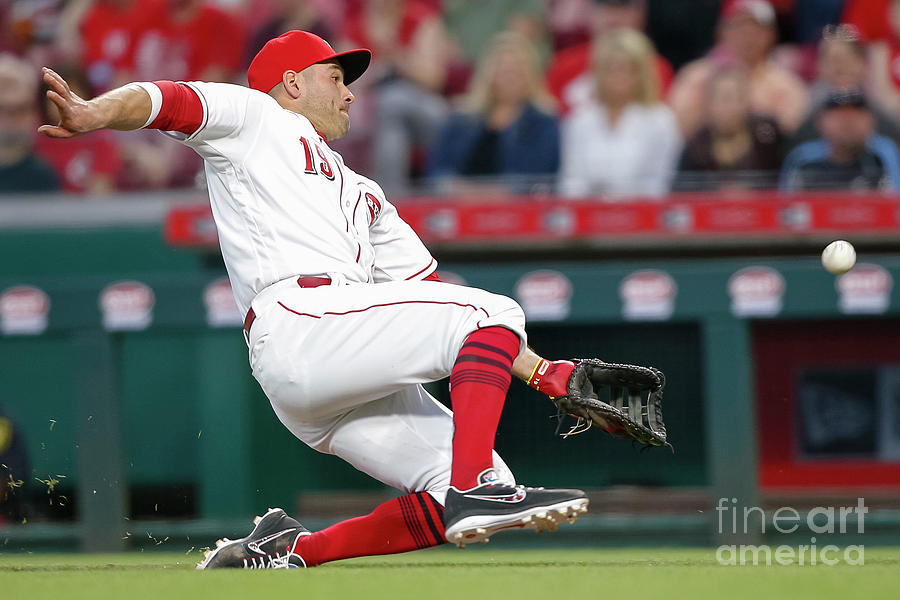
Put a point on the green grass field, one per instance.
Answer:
(472, 574)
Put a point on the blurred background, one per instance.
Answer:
(653, 180)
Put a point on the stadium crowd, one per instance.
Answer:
(610, 98)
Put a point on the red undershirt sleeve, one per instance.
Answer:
(181, 109)
(432, 277)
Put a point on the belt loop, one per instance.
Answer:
(248, 323)
(313, 281)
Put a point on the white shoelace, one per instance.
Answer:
(278, 561)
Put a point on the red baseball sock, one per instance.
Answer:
(478, 385)
(399, 525)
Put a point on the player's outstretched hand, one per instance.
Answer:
(76, 114)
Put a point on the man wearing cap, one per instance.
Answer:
(345, 317)
(849, 154)
(746, 36)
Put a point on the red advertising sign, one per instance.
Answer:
(517, 219)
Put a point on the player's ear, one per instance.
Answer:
(292, 83)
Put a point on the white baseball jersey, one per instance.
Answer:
(342, 364)
(285, 204)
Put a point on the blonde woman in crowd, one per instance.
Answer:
(626, 142)
(507, 130)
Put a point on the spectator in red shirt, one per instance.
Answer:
(411, 54)
(190, 40)
(870, 17)
(104, 30)
(88, 164)
(569, 76)
(568, 22)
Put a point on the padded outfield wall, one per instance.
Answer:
(124, 367)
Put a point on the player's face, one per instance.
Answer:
(326, 99)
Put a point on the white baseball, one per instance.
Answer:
(838, 257)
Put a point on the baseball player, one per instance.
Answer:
(345, 317)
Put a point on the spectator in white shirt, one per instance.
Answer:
(626, 142)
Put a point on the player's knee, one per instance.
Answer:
(506, 312)
(291, 395)
(512, 308)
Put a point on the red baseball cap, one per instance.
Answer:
(297, 50)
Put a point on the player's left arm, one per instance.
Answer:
(549, 377)
(622, 400)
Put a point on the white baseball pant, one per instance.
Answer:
(343, 364)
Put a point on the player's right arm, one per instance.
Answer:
(196, 113)
(125, 108)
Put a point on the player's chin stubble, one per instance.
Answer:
(335, 123)
(327, 118)
(341, 126)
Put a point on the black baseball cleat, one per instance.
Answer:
(474, 515)
(269, 546)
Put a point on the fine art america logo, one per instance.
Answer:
(819, 521)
